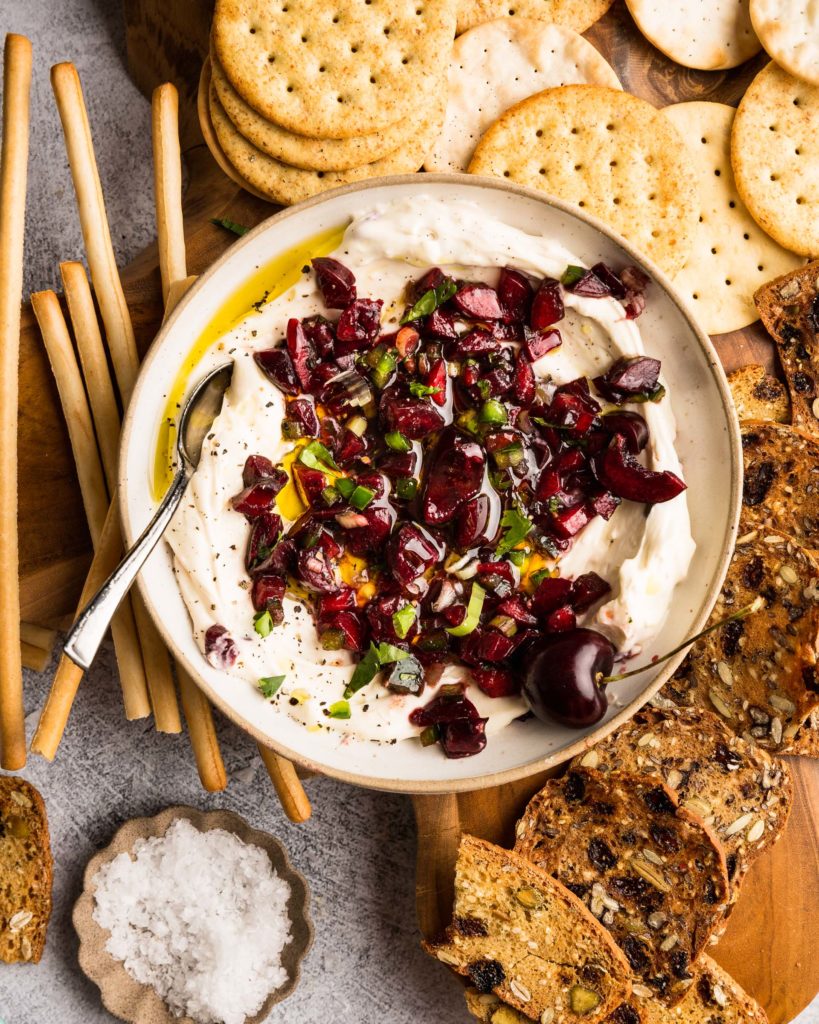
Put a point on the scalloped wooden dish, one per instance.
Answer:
(139, 1004)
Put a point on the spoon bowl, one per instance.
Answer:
(201, 409)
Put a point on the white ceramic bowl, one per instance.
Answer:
(707, 443)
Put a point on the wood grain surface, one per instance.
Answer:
(769, 944)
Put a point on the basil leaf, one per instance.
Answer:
(230, 225)
(571, 275)
(418, 390)
(269, 685)
(431, 300)
(341, 709)
(516, 527)
(387, 653)
(317, 456)
(403, 619)
(365, 671)
(263, 623)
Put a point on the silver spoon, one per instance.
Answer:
(197, 418)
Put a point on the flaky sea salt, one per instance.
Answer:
(199, 916)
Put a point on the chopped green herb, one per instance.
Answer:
(317, 456)
(431, 300)
(403, 619)
(419, 390)
(370, 665)
(406, 487)
(517, 558)
(341, 709)
(388, 653)
(493, 411)
(484, 387)
(539, 576)
(329, 495)
(510, 456)
(361, 497)
(269, 685)
(430, 735)
(473, 612)
(230, 225)
(397, 441)
(384, 368)
(516, 526)
(468, 421)
(263, 623)
(345, 487)
(571, 275)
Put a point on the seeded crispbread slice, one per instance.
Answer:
(759, 675)
(738, 789)
(519, 933)
(806, 741)
(715, 997)
(301, 151)
(334, 70)
(789, 30)
(759, 396)
(709, 36)
(731, 255)
(789, 308)
(575, 14)
(648, 869)
(500, 63)
(285, 184)
(609, 152)
(26, 870)
(780, 490)
(775, 155)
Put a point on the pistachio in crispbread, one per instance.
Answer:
(780, 490)
(506, 908)
(759, 396)
(789, 309)
(737, 788)
(25, 871)
(647, 868)
(759, 674)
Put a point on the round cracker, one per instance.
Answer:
(789, 30)
(334, 70)
(732, 256)
(775, 156)
(499, 64)
(301, 151)
(704, 34)
(609, 152)
(287, 185)
(575, 14)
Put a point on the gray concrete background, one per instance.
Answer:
(358, 851)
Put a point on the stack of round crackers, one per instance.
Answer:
(306, 95)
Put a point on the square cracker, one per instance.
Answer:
(334, 69)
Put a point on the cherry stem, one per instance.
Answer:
(742, 613)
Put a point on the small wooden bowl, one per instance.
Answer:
(139, 1004)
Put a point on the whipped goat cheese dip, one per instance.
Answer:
(643, 553)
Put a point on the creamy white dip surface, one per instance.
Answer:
(643, 554)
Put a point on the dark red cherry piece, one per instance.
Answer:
(560, 676)
(220, 648)
(631, 425)
(630, 378)
(335, 282)
(478, 301)
(515, 294)
(547, 305)
(277, 366)
(455, 476)
(623, 475)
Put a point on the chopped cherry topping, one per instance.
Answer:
(277, 366)
(412, 417)
(315, 570)
(623, 475)
(630, 378)
(496, 681)
(587, 590)
(358, 325)
(538, 343)
(547, 306)
(301, 351)
(478, 301)
(454, 477)
(264, 534)
(220, 648)
(631, 425)
(515, 294)
(335, 282)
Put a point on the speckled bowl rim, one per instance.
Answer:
(481, 779)
(131, 1001)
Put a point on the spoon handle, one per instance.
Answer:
(90, 627)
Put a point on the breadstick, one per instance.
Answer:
(105, 414)
(168, 185)
(49, 316)
(55, 714)
(199, 716)
(13, 168)
(287, 784)
(119, 330)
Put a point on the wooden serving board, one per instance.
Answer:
(769, 945)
